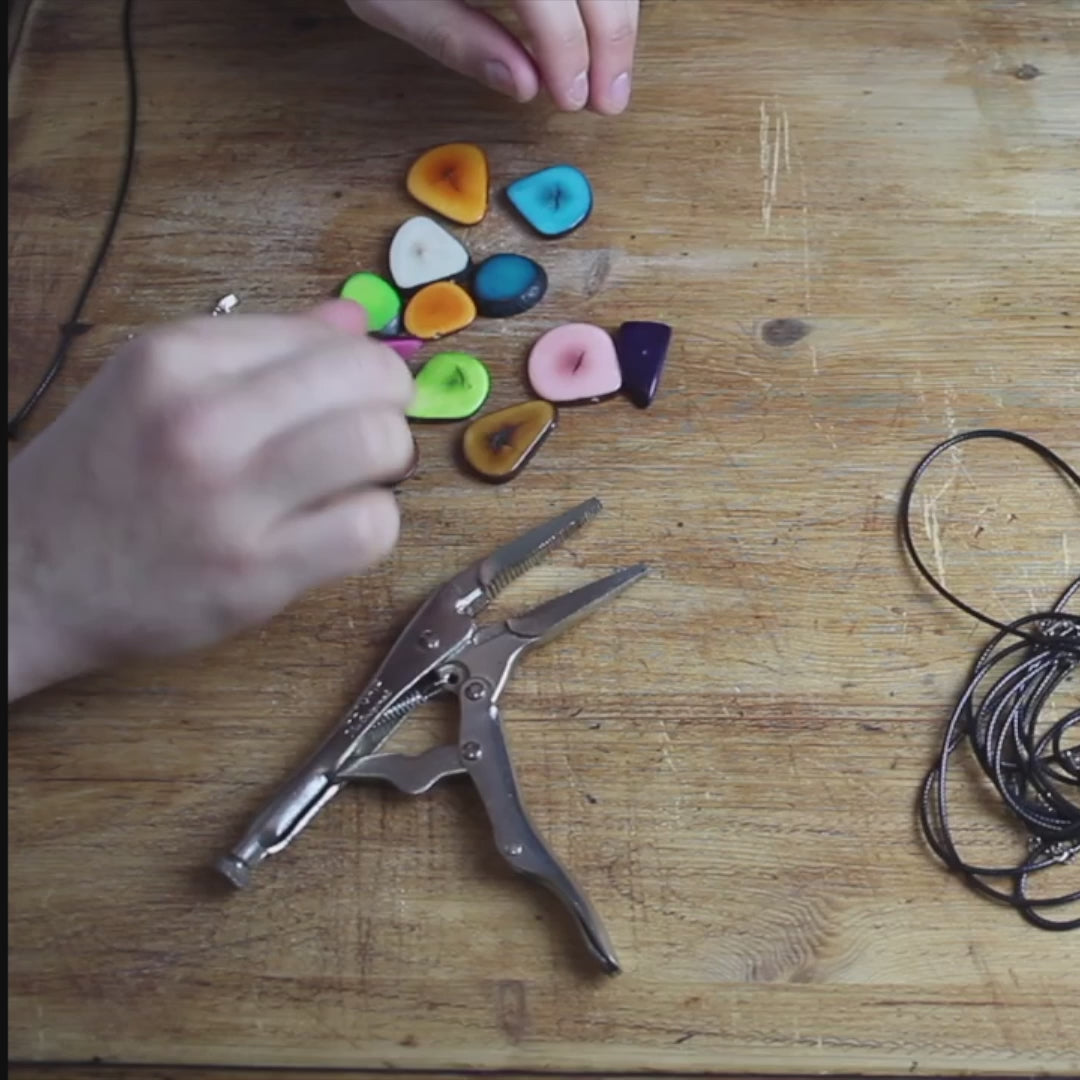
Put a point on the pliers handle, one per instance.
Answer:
(479, 676)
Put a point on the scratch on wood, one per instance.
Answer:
(571, 772)
(806, 252)
(766, 202)
(950, 411)
(665, 746)
(956, 455)
(763, 139)
(805, 230)
(769, 156)
(995, 990)
(774, 145)
(510, 1008)
(827, 432)
(917, 382)
(775, 180)
(930, 523)
(597, 273)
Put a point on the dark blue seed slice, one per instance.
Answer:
(507, 284)
(642, 348)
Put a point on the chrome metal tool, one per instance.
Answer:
(444, 651)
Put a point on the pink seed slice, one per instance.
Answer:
(575, 362)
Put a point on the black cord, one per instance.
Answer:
(74, 325)
(998, 716)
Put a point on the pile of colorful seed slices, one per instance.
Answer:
(437, 290)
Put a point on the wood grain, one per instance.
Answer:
(151, 1072)
(728, 757)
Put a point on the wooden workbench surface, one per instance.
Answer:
(728, 756)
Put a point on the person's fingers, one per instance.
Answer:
(345, 315)
(343, 538)
(291, 392)
(350, 448)
(469, 42)
(191, 350)
(612, 29)
(561, 47)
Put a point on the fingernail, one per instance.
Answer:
(579, 91)
(620, 92)
(497, 76)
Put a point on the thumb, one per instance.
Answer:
(345, 315)
(469, 42)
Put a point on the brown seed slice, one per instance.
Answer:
(498, 446)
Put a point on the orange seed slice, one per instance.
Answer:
(452, 180)
(439, 309)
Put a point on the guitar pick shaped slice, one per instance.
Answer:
(575, 362)
(506, 285)
(423, 251)
(452, 180)
(499, 445)
(554, 201)
(642, 348)
(450, 386)
(376, 296)
(439, 309)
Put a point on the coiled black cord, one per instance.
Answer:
(74, 325)
(999, 717)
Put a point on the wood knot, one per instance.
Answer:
(780, 333)
(1027, 71)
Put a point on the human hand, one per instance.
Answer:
(211, 472)
(581, 51)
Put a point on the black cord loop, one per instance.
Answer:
(75, 326)
(998, 716)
